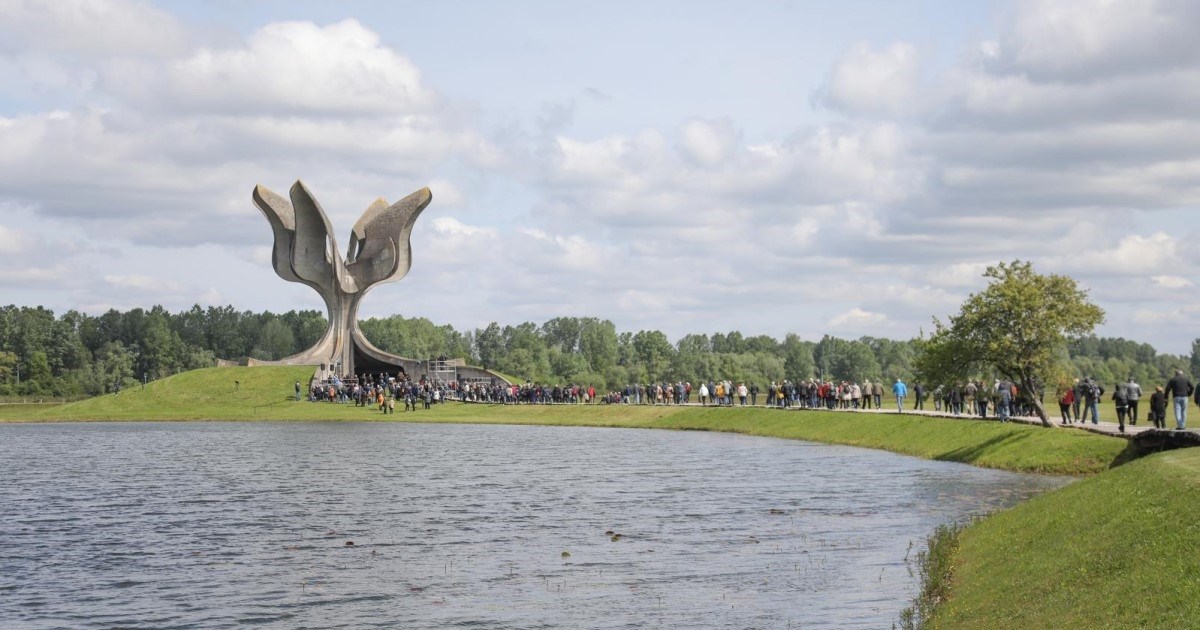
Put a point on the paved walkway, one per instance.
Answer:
(1106, 428)
(1103, 427)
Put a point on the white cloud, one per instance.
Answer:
(804, 230)
(563, 252)
(858, 319)
(1066, 135)
(142, 282)
(1171, 282)
(633, 300)
(261, 254)
(89, 27)
(52, 276)
(447, 194)
(12, 241)
(1132, 255)
(449, 226)
(708, 143)
(284, 67)
(595, 162)
(169, 158)
(958, 275)
(1087, 39)
(211, 296)
(864, 81)
(1184, 315)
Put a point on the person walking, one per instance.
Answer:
(742, 393)
(1078, 399)
(1178, 389)
(1158, 408)
(919, 394)
(1121, 402)
(1066, 398)
(1133, 393)
(1092, 392)
(899, 390)
(1003, 400)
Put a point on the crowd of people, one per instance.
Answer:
(380, 391)
(1078, 400)
(1085, 394)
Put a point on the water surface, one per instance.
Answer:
(212, 525)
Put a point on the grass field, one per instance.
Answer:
(1118, 550)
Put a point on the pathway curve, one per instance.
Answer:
(1102, 427)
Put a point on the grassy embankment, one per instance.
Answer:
(265, 393)
(1113, 550)
(1118, 550)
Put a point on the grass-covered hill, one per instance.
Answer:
(1119, 550)
(205, 394)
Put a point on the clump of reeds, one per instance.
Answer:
(934, 566)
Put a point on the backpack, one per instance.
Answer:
(1094, 392)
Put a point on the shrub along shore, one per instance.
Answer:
(1112, 550)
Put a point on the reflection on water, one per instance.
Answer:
(222, 524)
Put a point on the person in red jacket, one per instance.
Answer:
(1066, 398)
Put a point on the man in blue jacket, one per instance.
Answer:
(900, 391)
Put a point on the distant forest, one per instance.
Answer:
(76, 354)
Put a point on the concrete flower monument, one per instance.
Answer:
(378, 252)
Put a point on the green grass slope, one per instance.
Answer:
(266, 393)
(1119, 550)
(1007, 446)
(208, 394)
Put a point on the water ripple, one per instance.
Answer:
(218, 525)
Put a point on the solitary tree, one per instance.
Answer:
(1016, 327)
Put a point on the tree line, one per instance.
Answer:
(77, 354)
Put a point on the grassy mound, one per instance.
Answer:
(208, 394)
(267, 393)
(1115, 551)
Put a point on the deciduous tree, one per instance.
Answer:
(1016, 327)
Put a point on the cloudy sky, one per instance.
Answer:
(811, 167)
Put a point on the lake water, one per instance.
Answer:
(211, 525)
